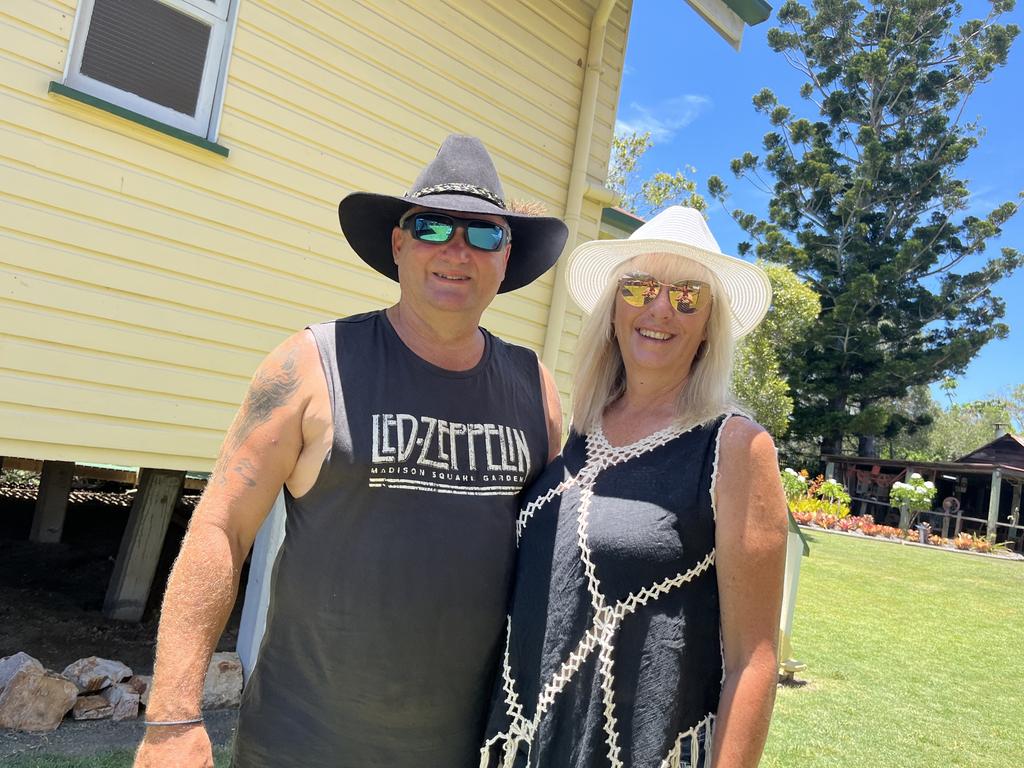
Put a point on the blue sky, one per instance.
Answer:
(687, 86)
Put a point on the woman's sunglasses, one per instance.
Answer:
(685, 296)
(440, 228)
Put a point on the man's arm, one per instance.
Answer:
(258, 454)
(552, 410)
(750, 542)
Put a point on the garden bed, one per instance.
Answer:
(911, 540)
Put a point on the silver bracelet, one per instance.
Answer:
(194, 721)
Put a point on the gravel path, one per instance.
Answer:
(89, 737)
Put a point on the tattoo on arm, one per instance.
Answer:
(247, 471)
(267, 393)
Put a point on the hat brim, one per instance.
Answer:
(367, 220)
(592, 265)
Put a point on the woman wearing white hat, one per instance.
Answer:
(651, 552)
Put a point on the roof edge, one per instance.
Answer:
(751, 11)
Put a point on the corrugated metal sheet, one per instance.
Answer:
(142, 279)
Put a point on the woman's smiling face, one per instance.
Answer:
(656, 338)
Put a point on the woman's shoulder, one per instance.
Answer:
(738, 426)
(745, 446)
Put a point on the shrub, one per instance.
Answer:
(963, 541)
(981, 544)
(817, 507)
(794, 484)
(833, 491)
(851, 523)
(917, 494)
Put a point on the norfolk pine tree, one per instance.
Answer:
(867, 206)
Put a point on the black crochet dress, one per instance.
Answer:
(614, 654)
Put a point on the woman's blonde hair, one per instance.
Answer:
(600, 377)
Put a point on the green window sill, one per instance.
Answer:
(71, 93)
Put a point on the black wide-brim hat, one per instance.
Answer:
(461, 178)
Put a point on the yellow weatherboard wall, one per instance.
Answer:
(142, 279)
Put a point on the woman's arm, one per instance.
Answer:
(750, 541)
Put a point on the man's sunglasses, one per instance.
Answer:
(685, 296)
(440, 228)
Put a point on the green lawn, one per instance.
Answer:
(914, 659)
(117, 759)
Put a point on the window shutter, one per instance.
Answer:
(149, 49)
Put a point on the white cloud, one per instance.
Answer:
(665, 118)
(982, 201)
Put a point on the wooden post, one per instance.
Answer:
(993, 504)
(257, 589)
(830, 470)
(52, 501)
(1015, 512)
(141, 544)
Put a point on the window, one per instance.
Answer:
(164, 59)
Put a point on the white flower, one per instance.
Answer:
(929, 484)
(915, 476)
(791, 471)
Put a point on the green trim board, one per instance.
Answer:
(72, 93)
(751, 11)
(620, 219)
(794, 528)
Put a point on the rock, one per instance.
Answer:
(95, 674)
(146, 682)
(11, 665)
(92, 707)
(138, 683)
(36, 701)
(123, 701)
(223, 686)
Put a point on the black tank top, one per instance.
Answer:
(390, 590)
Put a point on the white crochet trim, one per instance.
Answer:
(509, 683)
(607, 619)
(675, 755)
(714, 466)
(530, 509)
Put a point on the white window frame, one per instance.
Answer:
(220, 15)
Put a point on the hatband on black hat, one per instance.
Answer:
(461, 178)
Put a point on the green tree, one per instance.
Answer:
(867, 207)
(757, 378)
(963, 428)
(646, 197)
(907, 434)
(1014, 400)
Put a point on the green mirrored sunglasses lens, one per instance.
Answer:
(432, 229)
(484, 235)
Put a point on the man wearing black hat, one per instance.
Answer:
(403, 438)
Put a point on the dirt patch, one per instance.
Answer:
(101, 736)
(51, 602)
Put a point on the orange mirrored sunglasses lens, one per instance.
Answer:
(685, 297)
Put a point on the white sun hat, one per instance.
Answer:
(684, 232)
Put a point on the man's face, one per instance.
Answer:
(452, 276)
